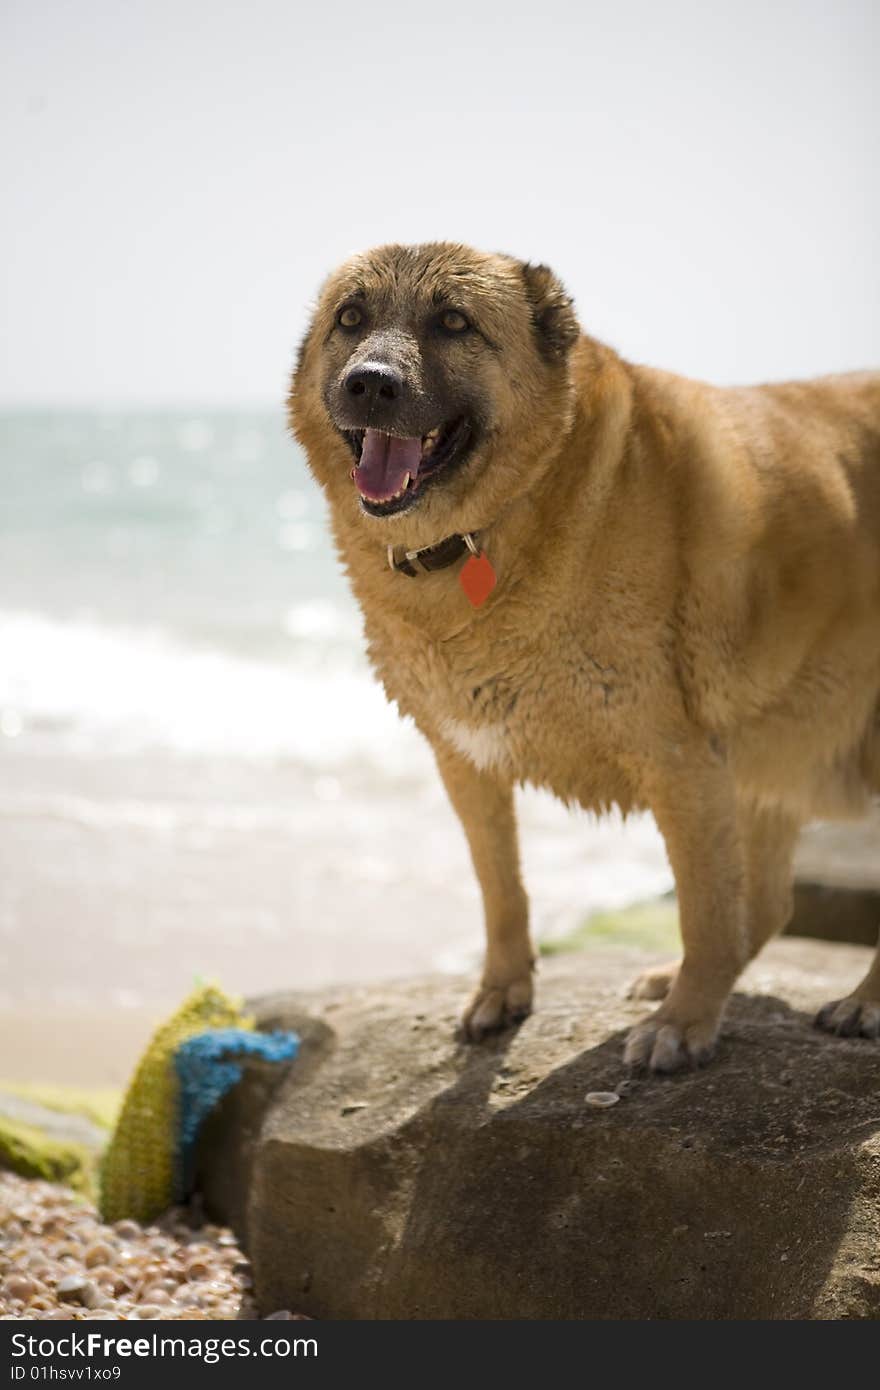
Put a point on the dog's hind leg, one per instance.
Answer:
(768, 839)
(858, 1015)
(484, 804)
(872, 754)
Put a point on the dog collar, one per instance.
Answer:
(477, 577)
(432, 557)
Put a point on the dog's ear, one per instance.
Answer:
(556, 325)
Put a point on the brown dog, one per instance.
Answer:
(686, 604)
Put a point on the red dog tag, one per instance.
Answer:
(477, 578)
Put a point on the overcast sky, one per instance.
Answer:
(178, 175)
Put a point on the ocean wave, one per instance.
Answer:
(93, 688)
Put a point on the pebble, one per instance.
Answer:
(154, 1294)
(70, 1285)
(19, 1286)
(627, 1086)
(68, 1251)
(128, 1230)
(98, 1254)
(602, 1098)
(75, 1289)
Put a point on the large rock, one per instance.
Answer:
(394, 1173)
(837, 882)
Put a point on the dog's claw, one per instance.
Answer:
(662, 1045)
(850, 1018)
(495, 1007)
(654, 983)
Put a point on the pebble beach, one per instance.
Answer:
(58, 1260)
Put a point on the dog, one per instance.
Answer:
(631, 588)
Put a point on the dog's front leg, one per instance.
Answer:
(484, 804)
(695, 808)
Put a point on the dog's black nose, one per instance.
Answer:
(374, 383)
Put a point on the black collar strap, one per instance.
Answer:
(433, 557)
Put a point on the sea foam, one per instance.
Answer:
(91, 688)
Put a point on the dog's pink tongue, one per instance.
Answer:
(385, 462)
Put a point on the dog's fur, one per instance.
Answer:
(686, 618)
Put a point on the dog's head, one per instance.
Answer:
(432, 386)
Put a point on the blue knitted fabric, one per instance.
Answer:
(207, 1066)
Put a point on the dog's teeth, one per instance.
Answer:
(383, 501)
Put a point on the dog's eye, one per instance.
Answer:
(349, 317)
(453, 321)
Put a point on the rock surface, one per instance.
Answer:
(396, 1173)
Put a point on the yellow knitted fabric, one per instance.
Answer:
(137, 1172)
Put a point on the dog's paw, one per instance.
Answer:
(850, 1018)
(494, 1007)
(662, 1044)
(655, 983)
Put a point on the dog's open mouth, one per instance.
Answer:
(392, 472)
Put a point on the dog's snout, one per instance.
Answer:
(374, 383)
